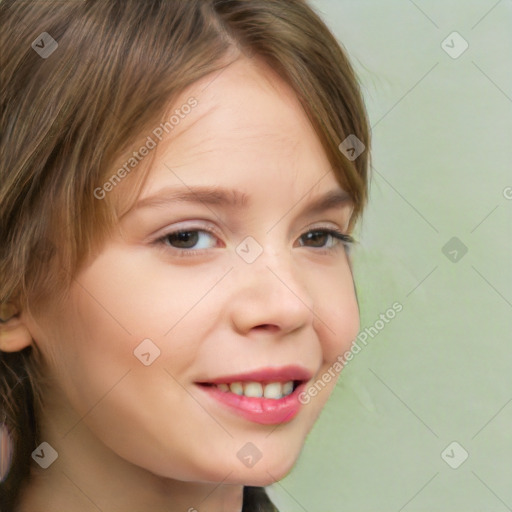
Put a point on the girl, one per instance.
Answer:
(180, 179)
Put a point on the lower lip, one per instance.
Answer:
(265, 411)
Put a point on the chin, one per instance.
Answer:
(261, 474)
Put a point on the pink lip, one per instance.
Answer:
(282, 374)
(264, 411)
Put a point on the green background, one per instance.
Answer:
(441, 370)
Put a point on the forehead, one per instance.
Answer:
(248, 127)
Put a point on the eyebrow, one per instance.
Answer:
(212, 196)
(329, 201)
(232, 198)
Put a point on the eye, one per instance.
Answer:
(324, 239)
(189, 239)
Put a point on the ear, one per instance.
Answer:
(14, 335)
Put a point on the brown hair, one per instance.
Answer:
(68, 117)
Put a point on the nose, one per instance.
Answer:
(270, 296)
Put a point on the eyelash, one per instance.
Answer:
(346, 240)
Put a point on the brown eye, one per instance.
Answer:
(192, 239)
(324, 239)
(183, 239)
(315, 238)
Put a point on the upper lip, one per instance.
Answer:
(277, 374)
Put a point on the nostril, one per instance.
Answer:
(266, 327)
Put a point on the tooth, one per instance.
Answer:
(253, 389)
(287, 388)
(237, 388)
(273, 390)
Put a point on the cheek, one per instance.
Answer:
(114, 305)
(337, 317)
(143, 295)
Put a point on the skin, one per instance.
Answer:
(132, 437)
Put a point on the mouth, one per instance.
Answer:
(268, 396)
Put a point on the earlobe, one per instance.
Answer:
(14, 334)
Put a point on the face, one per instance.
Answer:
(229, 275)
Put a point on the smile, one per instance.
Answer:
(267, 396)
